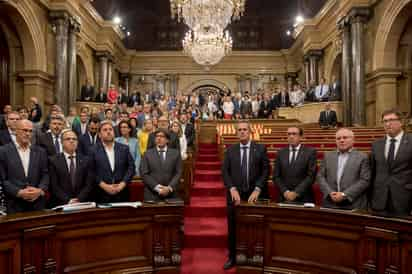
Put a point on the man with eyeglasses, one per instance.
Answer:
(245, 170)
(8, 135)
(71, 173)
(391, 160)
(295, 169)
(23, 171)
(161, 169)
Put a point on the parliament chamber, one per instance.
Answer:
(206, 137)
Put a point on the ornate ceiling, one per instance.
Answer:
(263, 27)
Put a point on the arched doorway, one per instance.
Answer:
(82, 76)
(337, 68)
(4, 71)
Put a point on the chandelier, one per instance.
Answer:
(206, 42)
(207, 49)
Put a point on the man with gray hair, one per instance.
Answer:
(50, 140)
(345, 174)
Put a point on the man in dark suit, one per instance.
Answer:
(344, 174)
(114, 167)
(161, 169)
(246, 107)
(295, 169)
(3, 117)
(71, 173)
(8, 135)
(50, 140)
(163, 123)
(87, 92)
(265, 108)
(391, 161)
(188, 129)
(327, 118)
(23, 171)
(90, 138)
(335, 90)
(245, 170)
(101, 97)
(122, 98)
(134, 99)
(81, 128)
(283, 98)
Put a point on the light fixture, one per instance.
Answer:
(128, 33)
(288, 32)
(117, 20)
(299, 19)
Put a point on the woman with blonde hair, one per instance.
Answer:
(143, 135)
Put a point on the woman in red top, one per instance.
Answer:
(112, 95)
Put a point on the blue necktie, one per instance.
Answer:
(57, 144)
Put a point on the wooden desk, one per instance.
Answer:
(122, 240)
(272, 239)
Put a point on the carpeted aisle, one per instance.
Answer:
(205, 219)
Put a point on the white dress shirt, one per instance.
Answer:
(398, 139)
(157, 187)
(342, 159)
(291, 152)
(110, 155)
(66, 156)
(83, 128)
(24, 155)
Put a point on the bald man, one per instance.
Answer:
(23, 171)
(345, 174)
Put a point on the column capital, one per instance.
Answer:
(74, 24)
(59, 16)
(291, 75)
(104, 54)
(359, 14)
(343, 23)
(313, 53)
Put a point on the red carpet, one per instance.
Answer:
(205, 219)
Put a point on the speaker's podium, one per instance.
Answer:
(288, 239)
(113, 240)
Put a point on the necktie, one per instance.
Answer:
(72, 171)
(57, 144)
(391, 153)
(243, 170)
(292, 160)
(162, 155)
(321, 91)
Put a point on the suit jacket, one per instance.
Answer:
(354, 181)
(124, 171)
(13, 178)
(122, 99)
(297, 177)
(61, 188)
(265, 109)
(76, 127)
(258, 168)
(46, 141)
(190, 134)
(85, 145)
(395, 179)
(335, 92)
(5, 137)
(331, 120)
(173, 141)
(246, 108)
(101, 98)
(87, 92)
(155, 171)
(135, 98)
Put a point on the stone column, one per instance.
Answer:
(307, 72)
(174, 78)
(61, 23)
(346, 72)
(160, 84)
(103, 58)
(74, 29)
(358, 17)
(109, 72)
(314, 57)
(124, 77)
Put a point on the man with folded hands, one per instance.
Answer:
(161, 169)
(295, 169)
(345, 174)
(71, 174)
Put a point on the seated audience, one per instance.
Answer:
(344, 174)
(295, 169)
(322, 91)
(23, 171)
(161, 169)
(391, 161)
(114, 167)
(327, 118)
(71, 174)
(126, 138)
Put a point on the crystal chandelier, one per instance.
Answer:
(207, 49)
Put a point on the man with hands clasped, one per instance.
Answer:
(245, 171)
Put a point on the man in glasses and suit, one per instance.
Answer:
(161, 169)
(71, 173)
(245, 170)
(23, 171)
(295, 169)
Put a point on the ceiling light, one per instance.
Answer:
(117, 20)
(299, 19)
(128, 33)
(288, 32)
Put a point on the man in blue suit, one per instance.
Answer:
(114, 166)
(23, 171)
(90, 138)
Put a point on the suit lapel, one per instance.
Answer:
(116, 157)
(32, 160)
(402, 146)
(334, 166)
(18, 160)
(237, 155)
(252, 154)
(346, 167)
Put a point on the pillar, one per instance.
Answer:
(60, 21)
(102, 58)
(314, 56)
(358, 17)
(74, 29)
(109, 71)
(307, 72)
(344, 26)
(290, 80)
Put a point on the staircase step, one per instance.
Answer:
(207, 158)
(204, 261)
(205, 232)
(203, 145)
(208, 175)
(213, 165)
(207, 151)
(212, 206)
(202, 189)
